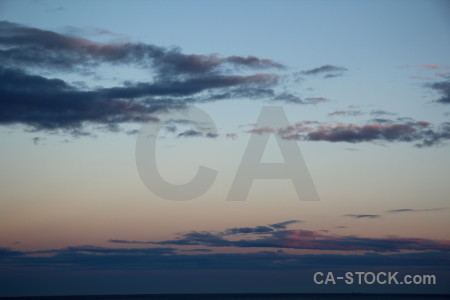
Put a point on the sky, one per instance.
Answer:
(222, 146)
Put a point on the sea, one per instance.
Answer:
(314, 296)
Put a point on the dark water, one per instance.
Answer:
(243, 297)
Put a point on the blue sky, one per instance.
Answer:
(365, 86)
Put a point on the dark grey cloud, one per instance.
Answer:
(328, 71)
(177, 80)
(421, 133)
(170, 128)
(315, 100)
(381, 113)
(175, 92)
(37, 140)
(6, 252)
(246, 230)
(437, 136)
(264, 237)
(217, 237)
(362, 216)
(443, 88)
(198, 250)
(203, 238)
(354, 133)
(42, 48)
(285, 224)
(53, 104)
(182, 122)
(315, 240)
(407, 210)
(80, 270)
(351, 113)
(132, 132)
(116, 241)
(190, 133)
(104, 250)
(91, 268)
(386, 121)
(294, 99)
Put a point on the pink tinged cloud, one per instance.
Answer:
(261, 130)
(232, 136)
(429, 66)
(304, 239)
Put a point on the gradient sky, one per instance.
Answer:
(365, 86)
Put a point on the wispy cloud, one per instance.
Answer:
(175, 254)
(261, 130)
(362, 216)
(349, 112)
(328, 71)
(246, 230)
(52, 103)
(55, 9)
(270, 237)
(285, 224)
(294, 99)
(231, 136)
(37, 140)
(381, 113)
(119, 259)
(178, 80)
(261, 229)
(443, 74)
(425, 66)
(408, 210)
(420, 133)
(190, 133)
